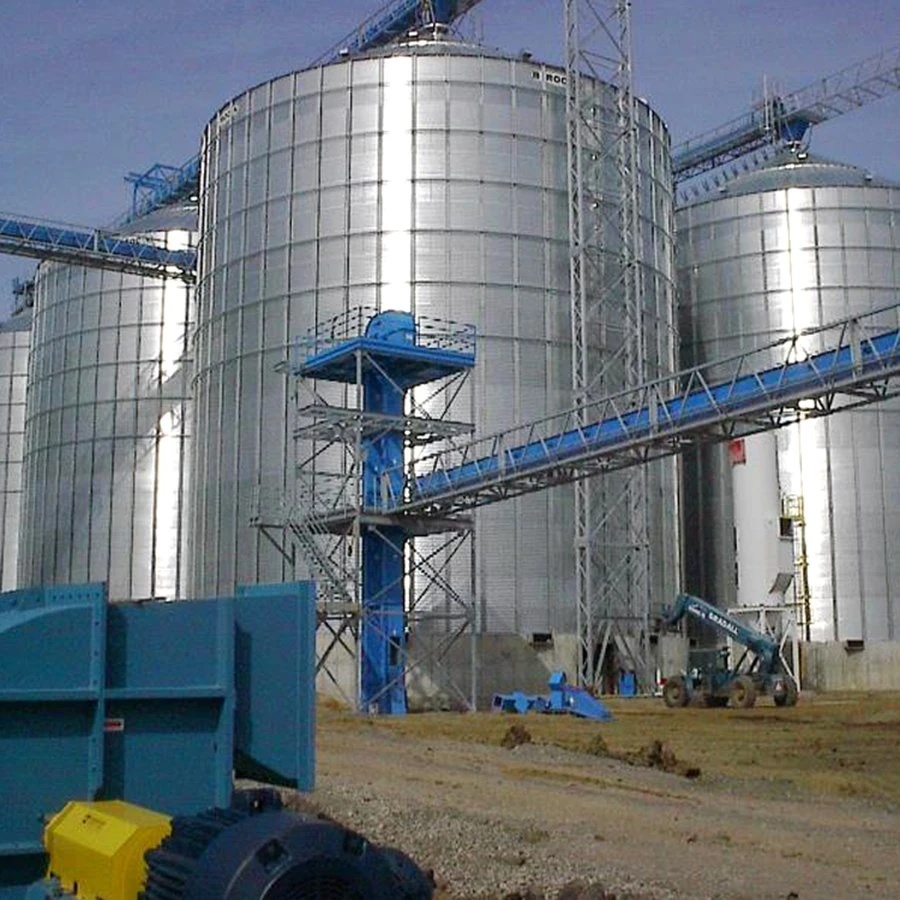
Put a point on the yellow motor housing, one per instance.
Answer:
(97, 849)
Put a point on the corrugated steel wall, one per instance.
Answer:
(106, 426)
(15, 338)
(431, 179)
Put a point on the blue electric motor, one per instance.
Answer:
(257, 849)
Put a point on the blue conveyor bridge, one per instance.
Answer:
(94, 247)
(395, 20)
(810, 373)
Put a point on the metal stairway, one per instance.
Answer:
(303, 518)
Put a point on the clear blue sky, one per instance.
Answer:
(92, 89)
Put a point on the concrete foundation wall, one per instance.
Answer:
(830, 666)
(671, 655)
(505, 662)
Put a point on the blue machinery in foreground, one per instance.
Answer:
(563, 698)
(157, 703)
(811, 373)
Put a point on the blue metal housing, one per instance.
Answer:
(275, 682)
(53, 647)
(151, 702)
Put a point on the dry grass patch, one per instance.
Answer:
(837, 745)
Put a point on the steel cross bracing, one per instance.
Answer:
(94, 247)
(162, 185)
(779, 120)
(612, 575)
(817, 372)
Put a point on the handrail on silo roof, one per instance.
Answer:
(787, 119)
(162, 185)
(430, 332)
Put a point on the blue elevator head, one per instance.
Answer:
(392, 327)
(406, 350)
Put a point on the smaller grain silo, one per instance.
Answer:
(799, 243)
(15, 338)
(106, 426)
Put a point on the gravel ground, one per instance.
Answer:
(538, 821)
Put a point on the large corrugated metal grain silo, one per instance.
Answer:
(15, 338)
(801, 242)
(429, 177)
(106, 427)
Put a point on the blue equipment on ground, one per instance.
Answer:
(759, 669)
(563, 698)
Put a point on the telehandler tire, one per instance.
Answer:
(743, 692)
(787, 695)
(675, 692)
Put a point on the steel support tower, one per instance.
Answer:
(612, 578)
(378, 588)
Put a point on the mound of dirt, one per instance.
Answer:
(657, 755)
(515, 736)
(596, 746)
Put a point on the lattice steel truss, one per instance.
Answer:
(612, 579)
(95, 247)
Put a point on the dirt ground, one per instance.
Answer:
(768, 802)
